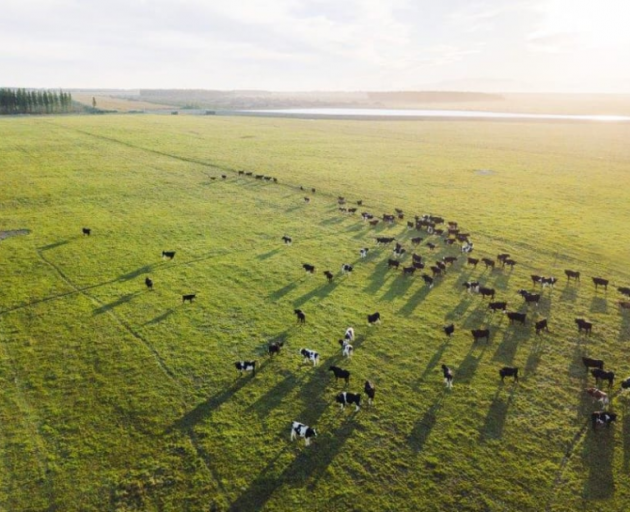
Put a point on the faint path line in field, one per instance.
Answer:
(161, 363)
(205, 458)
(567, 457)
(30, 424)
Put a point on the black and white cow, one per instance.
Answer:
(448, 376)
(472, 286)
(345, 268)
(374, 318)
(310, 355)
(349, 334)
(346, 348)
(364, 252)
(370, 391)
(300, 430)
(301, 316)
(246, 366)
(329, 275)
(449, 330)
(344, 398)
(601, 418)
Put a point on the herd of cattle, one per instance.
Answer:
(448, 235)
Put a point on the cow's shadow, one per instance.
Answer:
(278, 294)
(268, 254)
(159, 318)
(599, 305)
(597, 456)
(506, 351)
(624, 327)
(321, 291)
(145, 269)
(415, 300)
(468, 366)
(378, 278)
(398, 287)
(422, 429)
(569, 293)
(118, 302)
(273, 398)
(54, 245)
(494, 423)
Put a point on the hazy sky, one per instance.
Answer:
(531, 45)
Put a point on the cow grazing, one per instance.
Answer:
(313, 190)
(448, 241)
(416, 257)
(507, 371)
(352, 210)
(417, 265)
(603, 375)
(393, 263)
(592, 363)
(448, 376)
(598, 396)
(488, 262)
(364, 252)
(416, 241)
(486, 292)
(449, 330)
(308, 268)
(149, 282)
(345, 398)
(624, 290)
(240, 173)
(190, 297)
(301, 316)
(602, 418)
(345, 268)
(441, 265)
(471, 286)
(259, 176)
(274, 348)
(479, 334)
(510, 263)
(497, 306)
(468, 248)
(472, 261)
(529, 297)
(86, 231)
(503, 257)
(584, 325)
(370, 391)
(541, 325)
(360, 202)
(224, 176)
(168, 254)
(300, 430)
(340, 374)
(328, 275)
(384, 240)
(246, 366)
(410, 225)
(408, 271)
(449, 259)
(549, 281)
(516, 317)
(346, 349)
(249, 173)
(374, 318)
(624, 304)
(287, 240)
(625, 384)
(428, 280)
(310, 355)
(431, 246)
(599, 281)
(436, 271)
(307, 200)
(374, 222)
(572, 274)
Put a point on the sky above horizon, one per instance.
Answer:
(331, 45)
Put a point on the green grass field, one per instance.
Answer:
(116, 398)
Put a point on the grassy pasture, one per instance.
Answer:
(116, 398)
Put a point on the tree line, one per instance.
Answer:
(23, 101)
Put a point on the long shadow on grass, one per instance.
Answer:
(535, 355)
(53, 245)
(495, 419)
(415, 300)
(159, 318)
(435, 359)
(278, 294)
(378, 278)
(624, 327)
(423, 427)
(118, 302)
(145, 269)
(599, 305)
(460, 309)
(303, 472)
(569, 293)
(321, 291)
(507, 348)
(273, 398)
(597, 456)
(268, 254)
(626, 440)
(468, 367)
(398, 287)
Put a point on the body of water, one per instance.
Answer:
(423, 114)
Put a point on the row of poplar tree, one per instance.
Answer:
(23, 101)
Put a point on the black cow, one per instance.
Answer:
(601, 418)
(497, 306)
(370, 391)
(480, 333)
(224, 176)
(507, 371)
(86, 231)
(625, 384)
(360, 202)
(427, 280)
(287, 240)
(488, 262)
(449, 259)
(301, 316)
(188, 298)
(541, 325)
(374, 318)
(472, 261)
(416, 241)
(486, 292)
(308, 268)
(592, 363)
(416, 257)
(600, 374)
(274, 348)
(624, 290)
(307, 199)
(584, 325)
(516, 317)
(345, 398)
(393, 263)
(249, 173)
(599, 281)
(431, 246)
(408, 271)
(340, 374)
(240, 173)
(168, 254)
(328, 275)
(449, 330)
(149, 282)
(536, 279)
(572, 274)
(530, 297)
(441, 265)
(503, 257)
(510, 263)
(246, 366)
(420, 266)
(436, 271)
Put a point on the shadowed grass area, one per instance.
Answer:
(115, 397)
